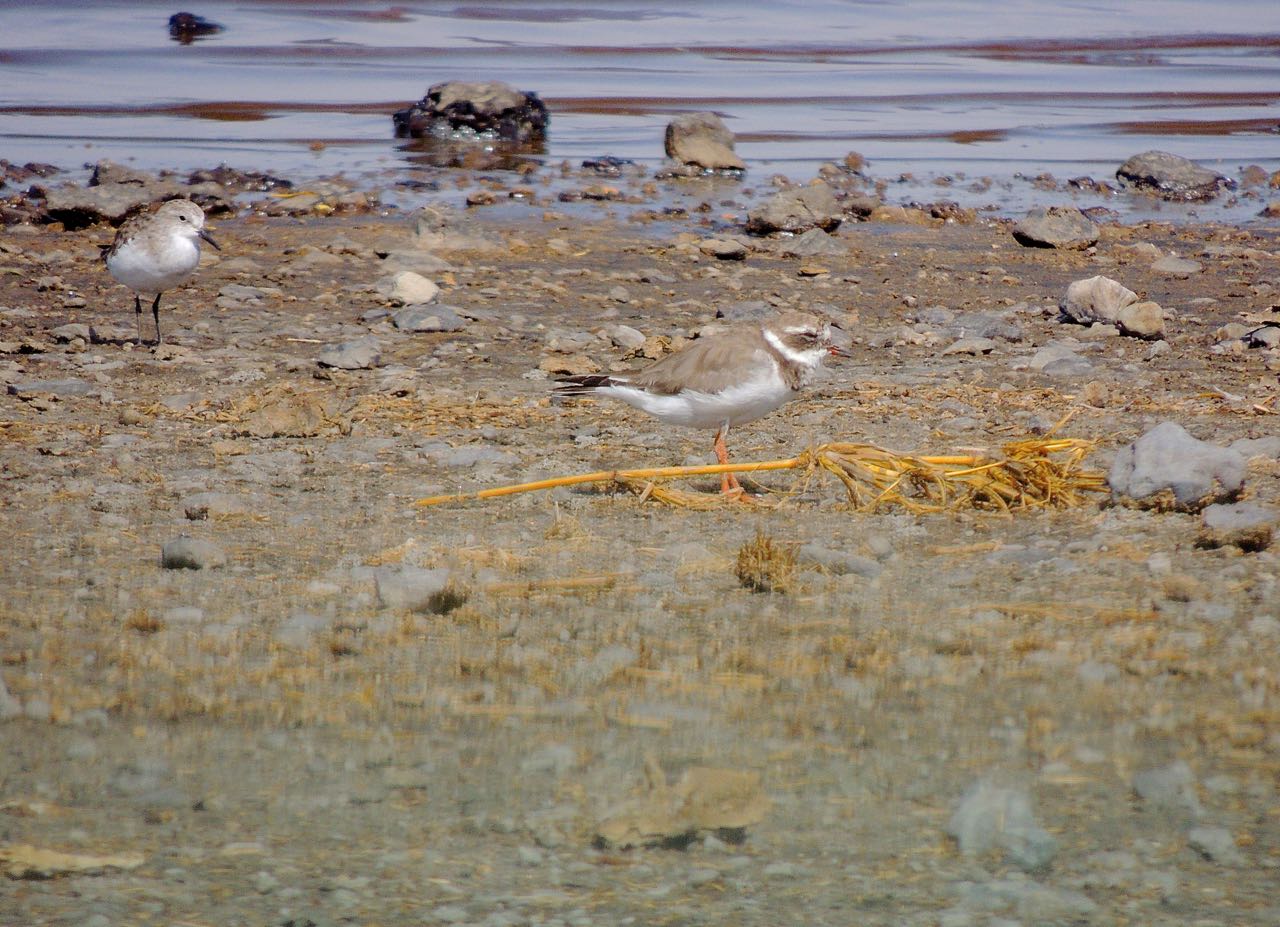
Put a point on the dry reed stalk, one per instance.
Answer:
(1038, 473)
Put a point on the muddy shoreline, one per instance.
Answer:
(310, 730)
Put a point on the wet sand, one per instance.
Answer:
(314, 732)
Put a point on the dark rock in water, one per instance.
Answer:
(240, 181)
(1172, 177)
(703, 140)
(1056, 227)
(797, 210)
(187, 27)
(484, 109)
(607, 166)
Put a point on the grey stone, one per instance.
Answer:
(1095, 299)
(352, 355)
(797, 210)
(1216, 845)
(10, 706)
(703, 140)
(1142, 320)
(1056, 227)
(1176, 266)
(723, 249)
(992, 816)
(753, 310)
(417, 318)
(813, 243)
(1268, 447)
(201, 505)
(70, 332)
(838, 562)
(188, 553)
(63, 388)
(1169, 788)
(416, 589)
(1171, 176)
(1246, 525)
(1167, 460)
(974, 346)
(1268, 336)
(624, 336)
(408, 288)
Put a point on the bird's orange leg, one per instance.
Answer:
(729, 484)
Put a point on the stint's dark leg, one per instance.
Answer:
(155, 311)
(137, 308)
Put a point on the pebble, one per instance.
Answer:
(1169, 788)
(1168, 458)
(974, 346)
(702, 140)
(1141, 320)
(723, 249)
(352, 355)
(438, 318)
(188, 553)
(1247, 525)
(796, 210)
(1095, 299)
(1056, 227)
(991, 816)
(1216, 845)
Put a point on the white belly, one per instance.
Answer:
(152, 270)
(735, 406)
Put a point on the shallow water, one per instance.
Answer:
(941, 90)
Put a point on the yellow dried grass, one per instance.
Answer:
(1029, 474)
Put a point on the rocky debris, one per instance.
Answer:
(992, 816)
(202, 505)
(1167, 468)
(702, 140)
(1095, 299)
(409, 288)
(724, 801)
(418, 590)
(1216, 845)
(23, 861)
(797, 210)
(435, 318)
(1169, 788)
(723, 249)
(1175, 266)
(1171, 177)
(59, 389)
(285, 411)
(188, 553)
(240, 181)
(360, 354)
(114, 192)
(484, 109)
(1141, 320)
(1056, 227)
(814, 243)
(970, 345)
(187, 27)
(1246, 525)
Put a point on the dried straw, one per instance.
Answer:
(1037, 473)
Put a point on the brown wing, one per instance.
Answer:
(136, 216)
(709, 365)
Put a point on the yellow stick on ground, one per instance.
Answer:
(1026, 476)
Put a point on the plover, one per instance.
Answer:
(723, 380)
(156, 251)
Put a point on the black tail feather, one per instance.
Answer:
(583, 384)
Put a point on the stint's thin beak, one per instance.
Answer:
(209, 238)
(841, 342)
(836, 351)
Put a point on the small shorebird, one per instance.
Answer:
(725, 379)
(156, 251)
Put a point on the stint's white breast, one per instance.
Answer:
(151, 264)
(744, 402)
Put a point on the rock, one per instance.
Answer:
(1056, 227)
(1246, 525)
(624, 336)
(723, 249)
(202, 505)
(1167, 468)
(1171, 788)
(813, 243)
(409, 288)
(973, 346)
(29, 389)
(1176, 266)
(439, 318)
(1216, 845)
(484, 109)
(752, 310)
(418, 590)
(838, 562)
(65, 334)
(1096, 299)
(1058, 359)
(991, 816)
(352, 355)
(1268, 336)
(1171, 176)
(188, 553)
(703, 140)
(1141, 320)
(10, 706)
(187, 27)
(796, 210)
